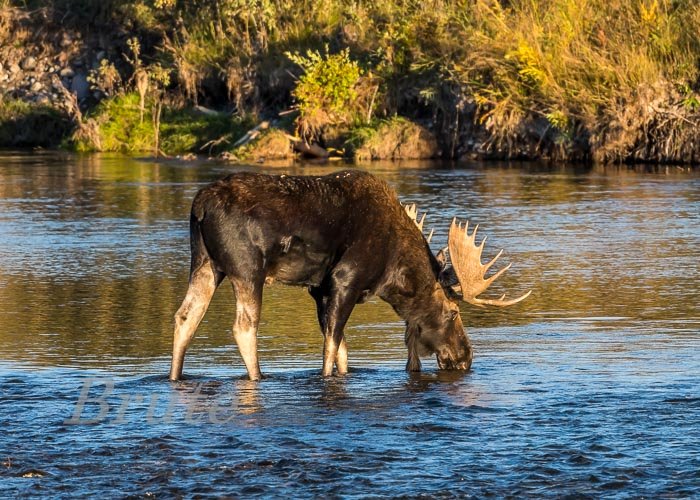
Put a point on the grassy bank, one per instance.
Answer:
(563, 79)
(24, 124)
(121, 126)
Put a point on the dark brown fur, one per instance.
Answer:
(345, 236)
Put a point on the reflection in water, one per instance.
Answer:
(589, 387)
(94, 255)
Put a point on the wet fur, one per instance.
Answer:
(345, 236)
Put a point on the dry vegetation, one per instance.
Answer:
(606, 80)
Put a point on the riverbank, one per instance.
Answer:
(519, 80)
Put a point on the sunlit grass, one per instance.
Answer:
(601, 75)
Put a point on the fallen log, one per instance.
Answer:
(251, 134)
(304, 147)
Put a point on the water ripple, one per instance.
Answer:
(588, 389)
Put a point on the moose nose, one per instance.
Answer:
(464, 365)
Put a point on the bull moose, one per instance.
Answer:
(346, 237)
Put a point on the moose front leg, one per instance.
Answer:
(245, 327)
(341, 358)
(335, 350)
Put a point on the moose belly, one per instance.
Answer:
(299, 266)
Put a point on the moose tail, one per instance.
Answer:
(198, 250)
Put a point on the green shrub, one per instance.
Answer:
(120, 127)
(325, 93)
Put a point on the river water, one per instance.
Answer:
(591, 387)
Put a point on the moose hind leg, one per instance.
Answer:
(245, 327)
(203, 283)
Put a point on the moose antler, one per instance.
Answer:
(466, 261)
(412, 212)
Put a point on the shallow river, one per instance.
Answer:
(591, 387)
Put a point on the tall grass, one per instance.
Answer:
(594, 76)
(577, 63)
(573, 66)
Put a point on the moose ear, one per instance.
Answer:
(448, 277)
(441, 257)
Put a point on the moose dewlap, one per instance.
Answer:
(346, 237)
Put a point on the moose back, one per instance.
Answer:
(345, 237)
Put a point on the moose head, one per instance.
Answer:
(461, 276)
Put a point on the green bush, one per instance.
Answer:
(120, 127)
(325, 93)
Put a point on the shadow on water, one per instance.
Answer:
(588, 388)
